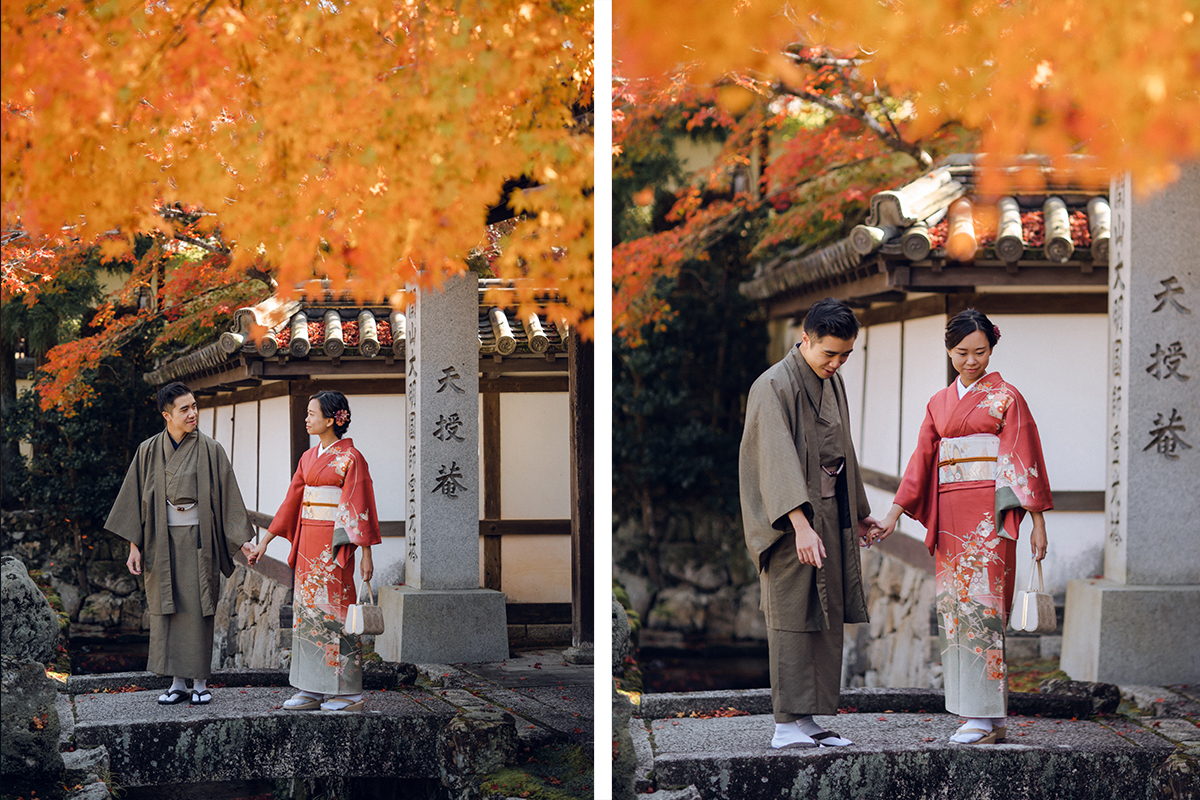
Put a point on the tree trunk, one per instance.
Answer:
(9, 450)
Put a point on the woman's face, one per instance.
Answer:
(315, 422)
(970, 357)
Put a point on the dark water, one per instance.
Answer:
(327, 788)
(720, 667)
(125, 652)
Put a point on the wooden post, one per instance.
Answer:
(580, 369)
(492, 545)
(298, 408)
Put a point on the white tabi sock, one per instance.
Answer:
(982, 724)
(809, 726)
(788, 734)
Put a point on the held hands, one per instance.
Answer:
(867, 527)
(134, 562)
(256, 553)
(881, 529)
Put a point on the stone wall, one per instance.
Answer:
(247, 629)
(708, 594)
(112, 602)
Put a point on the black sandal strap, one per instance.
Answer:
(824, 735)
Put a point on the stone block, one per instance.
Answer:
(1125, 634)
(549, 634)
(101, 608)
(477, 742)
(1050, 646)
(29, 627)
(29, 729)
(1104, 697)
(679, 608)
(751, 623)
(85, 764)
(1021, 648)
(442, 626)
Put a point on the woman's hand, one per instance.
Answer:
(884, 528)
(1037, 540)
(257, 553)
(367, 566)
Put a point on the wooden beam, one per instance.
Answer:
(901, 312)
(524, 527)
(349, 386)
(581, 356)
(953, 277)
(880, 480)
(798, 304)
(492, 549)
(298, 410)
(237, 375)
(1078, 500)
(263, 392)
(1031, 303)
(538, 613)
(529, 383)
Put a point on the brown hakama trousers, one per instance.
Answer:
(181, 643)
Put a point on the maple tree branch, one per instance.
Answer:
(857, 112)
(793, 51)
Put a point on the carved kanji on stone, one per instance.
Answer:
(447, 427)
(1166, 436)
(1171, 288)
(450, 377)
(447, 481)
(1166, 362)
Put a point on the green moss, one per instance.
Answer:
(555, 772)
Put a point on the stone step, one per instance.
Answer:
(906, 755)
(244, 734)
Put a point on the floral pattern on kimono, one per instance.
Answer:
(972, 519)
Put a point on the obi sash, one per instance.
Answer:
(968, 458)
(321, 502)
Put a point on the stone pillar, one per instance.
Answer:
(1140, 623)
(441, 615)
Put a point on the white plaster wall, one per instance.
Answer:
(224, 427)
(377, 430)
(535, 453)
(205, 424)
(1059, 364)
(245, 452)
(879, 448)
(924, 376)
(274, 467)
(853, 372)
(536, 569)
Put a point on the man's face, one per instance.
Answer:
(183, 416)
(826, 354)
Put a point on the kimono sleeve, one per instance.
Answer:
(770, 467)
(917, 494)
(285, 522)
(231, 509)
(356, 522)
(125, 518)
(1021, 481)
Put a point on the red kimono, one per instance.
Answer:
(977, 469)
(329, 510)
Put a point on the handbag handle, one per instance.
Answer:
(1041, 586)
(370, 594)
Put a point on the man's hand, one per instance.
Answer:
(134, 562)
(248, 552)
(867, 526)
(809, 547)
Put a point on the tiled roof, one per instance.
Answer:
(939, 218)
(339, 328)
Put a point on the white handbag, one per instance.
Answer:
(1034, 611)
(364, 617)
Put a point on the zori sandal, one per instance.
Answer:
(302, 702)
(173, 697)
(201, 698)
(343, 704)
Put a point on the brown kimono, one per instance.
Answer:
(181, 565)
(795, 424)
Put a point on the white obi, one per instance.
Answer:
(968, 458)
(183, 515)
(321, 502)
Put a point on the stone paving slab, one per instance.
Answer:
(245, 735)
(863, 700)
(905, 755)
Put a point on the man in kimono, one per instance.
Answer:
(802, 504)
(182, 514)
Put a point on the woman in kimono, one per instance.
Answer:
(978, 468)
(328, 513)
